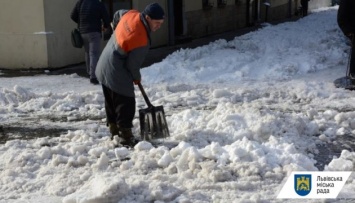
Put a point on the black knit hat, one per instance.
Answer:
(154, 11)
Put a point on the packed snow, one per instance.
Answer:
(243, 114)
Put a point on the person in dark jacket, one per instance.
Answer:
(92, 18)
(119, 66)
(346, 22)
(304, 6)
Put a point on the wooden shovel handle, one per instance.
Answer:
(144, 95)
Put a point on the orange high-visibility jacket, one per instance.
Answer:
(130, 32)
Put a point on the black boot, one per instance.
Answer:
(126, 137)
(113, 129)
(94, 81)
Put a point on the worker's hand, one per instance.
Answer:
(136, 82)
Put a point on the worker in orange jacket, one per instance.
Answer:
(119, 66)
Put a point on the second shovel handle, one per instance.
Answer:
(144, 95)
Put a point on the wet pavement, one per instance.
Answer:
(8, 133)
(328, 150)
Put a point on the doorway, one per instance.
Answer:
(178, 18)
(253, 12)
(179, 26)
(113, 5)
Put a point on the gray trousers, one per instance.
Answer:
(92, 46)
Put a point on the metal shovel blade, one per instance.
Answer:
(152, 120)
(153, 123)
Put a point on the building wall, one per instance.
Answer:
(313, 4)
(278, 10)
(276, 3)
(22, 34)
(38, 35)
(202, 22)
(58, 22)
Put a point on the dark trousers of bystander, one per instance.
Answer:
(92, 46)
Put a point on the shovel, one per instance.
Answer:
(152, 120)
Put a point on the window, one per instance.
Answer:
(113, 5)
(221, 3)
